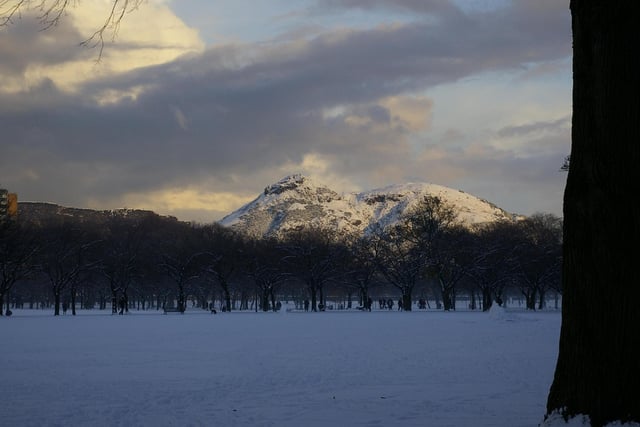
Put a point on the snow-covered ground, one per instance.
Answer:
(340, 368)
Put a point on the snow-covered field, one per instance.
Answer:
(341, 368)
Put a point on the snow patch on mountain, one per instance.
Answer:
(297, 201)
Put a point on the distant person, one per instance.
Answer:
(400, 304)
(390, 304)
(306, 305)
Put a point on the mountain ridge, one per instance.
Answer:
(297, 201)
(41, 213)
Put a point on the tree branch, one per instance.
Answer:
(50, 12)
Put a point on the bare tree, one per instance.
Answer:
(449, 260)
(312, 253)
(493, 260)
(361, 270)
(64, 257)
(265, 267)
(538, 256)
(17, 251)
(121, 249)
(179, 249)
(220, 258)
(400, 261)
(432, 228)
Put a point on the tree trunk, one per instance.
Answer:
(73, 300)
(542, 304)
(437, 298)
(181, 302)
(114, 301)
(530, 298)
(487, 299)
(274, 305)
(226, 294)
(314, 298)
(125, 297)
(598, 369)
(445, 290)
(406, 300)
(56, 302)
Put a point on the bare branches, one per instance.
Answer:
(50, 12)
(118, 10)
(10, 9)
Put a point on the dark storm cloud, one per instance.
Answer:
(527, 23)
(245, 109)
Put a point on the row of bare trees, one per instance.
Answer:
(133, 259)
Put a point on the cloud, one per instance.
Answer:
(198, 201)
(412, 113)
(439, 8)
(150, 35)
(196, 129)
(535, 128)
(26, 50)
(23, 44)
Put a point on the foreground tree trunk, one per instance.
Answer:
(598, 368)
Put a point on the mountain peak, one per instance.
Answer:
(300, 188)
(290, 182)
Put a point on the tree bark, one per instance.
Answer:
(487, 299)
(56, 302)
(226, 293)
(406, 301)
(598, 368)
(314, 302)
(73, 300)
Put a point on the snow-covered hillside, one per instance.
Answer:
(297, 201)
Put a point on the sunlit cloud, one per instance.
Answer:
(148, 36)
(319, 167)
(410, 112)
(171, 200)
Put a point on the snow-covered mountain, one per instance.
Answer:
(297, 201)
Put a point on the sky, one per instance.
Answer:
(335, 368)
(195, 106)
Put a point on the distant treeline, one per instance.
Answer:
(137, 259)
